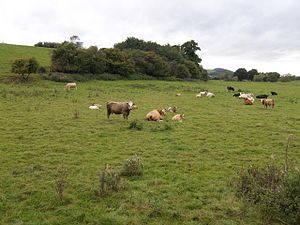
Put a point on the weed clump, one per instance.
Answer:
(109, 181)
(61, 181)
(135, 125)
(133, 167)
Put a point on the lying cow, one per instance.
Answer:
(201, 94)
(70, 86)
(262, 96)
(120, 108)
(95, 106)
(249, 101)
(236, 94)
(178, 94)
(246, 95)
(178, 117)
(156, 115)
(229, 88)
(210, 95)
(268, 102)
(172, 109)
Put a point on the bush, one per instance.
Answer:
(284, 205)
(276, 194)
(109, 181)
(133, 167)
(252, 184)
(135, 125)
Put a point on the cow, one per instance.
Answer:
(202, 93)
(178, 94)
(249, 101)
(70, 86)
(210, 95)
(95, 106)
(123, 108)
(172, 109)
(262, 96)
(156, 115)
(246, 95)
(178, 117)
(268, 102)
(236, 94)
(229, 88)
(273, 93)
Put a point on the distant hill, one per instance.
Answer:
(217, 72)
(10, 52)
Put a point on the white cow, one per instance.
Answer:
(95, 107)
(246, 95)
(210, 95)
(201, 94)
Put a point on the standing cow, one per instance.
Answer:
(120, 108)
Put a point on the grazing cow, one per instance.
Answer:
(70, 86)
(236, 94)
(210, 95)
(201, 94)
(172, 109)
(95, 106)
(229, 88)
(156, 115)
(268, 102)
(262, 96)
(178, 117)
(249, 101)
(120, 108)
(178, 94)
(273, 93)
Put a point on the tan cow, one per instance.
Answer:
(156, 115)
(178, 117)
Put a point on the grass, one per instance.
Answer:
(9, 52)
(186, 166)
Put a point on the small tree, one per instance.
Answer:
(25, 67)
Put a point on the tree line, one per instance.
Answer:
(242, 74)
(133, 56)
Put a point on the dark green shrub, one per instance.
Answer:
(135, 125)
(133, 167)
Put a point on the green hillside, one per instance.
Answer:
(10, 52)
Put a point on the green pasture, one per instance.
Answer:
(188, 166)
(9, 52)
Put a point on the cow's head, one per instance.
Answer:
(131, 105)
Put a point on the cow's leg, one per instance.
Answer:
(108, 113)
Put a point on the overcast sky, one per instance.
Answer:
(260, 34)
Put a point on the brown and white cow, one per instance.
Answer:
(123, 108)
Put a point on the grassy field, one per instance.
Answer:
(188, 166)
(8, 53)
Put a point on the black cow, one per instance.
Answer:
(273, 93)
(236, 95)
(229, 88)
(262, 96)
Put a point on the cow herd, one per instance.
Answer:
(249, 97)
(124, 108)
